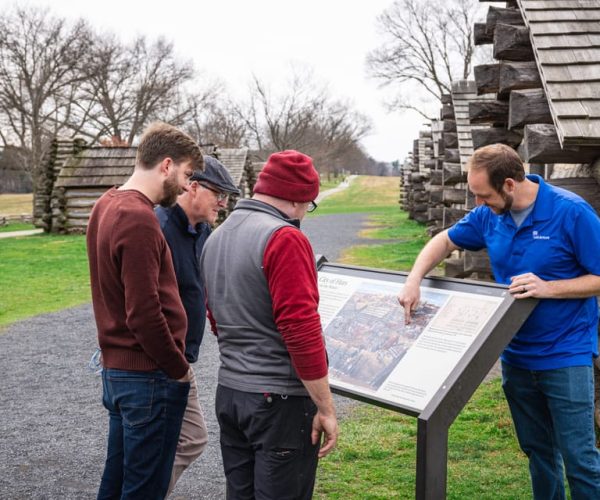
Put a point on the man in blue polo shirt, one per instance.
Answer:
(543, 242)
(186, 225)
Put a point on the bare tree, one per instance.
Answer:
(215, 119)
(281, 122)
(337, 131)
(40, 61)
(428, 45)
(126, 87)
(304, 117)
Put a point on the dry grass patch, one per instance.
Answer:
(16, 204)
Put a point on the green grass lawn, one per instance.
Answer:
(399, 255)
(365, 194)
(41, 274)
(334, 182)
(376, 454)
(15, 226)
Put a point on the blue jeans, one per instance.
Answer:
(553, 413)
(145, 414)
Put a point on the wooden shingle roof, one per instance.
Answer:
(565, 35)
(234, 160)
(464, 92)
(98, 167)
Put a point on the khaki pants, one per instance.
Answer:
(192, 438)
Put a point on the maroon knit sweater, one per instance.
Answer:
(141, 321)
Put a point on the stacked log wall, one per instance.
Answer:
(404, 182)
(49, 169)
(527, 37)
(419, 179)
(531, 111)
(434, 186)
(464, 95)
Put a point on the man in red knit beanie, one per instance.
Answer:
(273, 400)
(140, 318)
(289, 175)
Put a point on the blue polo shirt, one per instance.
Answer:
(186, 243)
(559, 239)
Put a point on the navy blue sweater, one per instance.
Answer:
(186, 243)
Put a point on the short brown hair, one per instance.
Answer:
(500, 161)
(161, 140)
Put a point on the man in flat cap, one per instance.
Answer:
(186, 226)
(273, 400)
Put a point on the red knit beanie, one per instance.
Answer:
(289, 175)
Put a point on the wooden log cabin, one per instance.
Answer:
(85, 173)
(541, 96)
(548, 73)
(545, 90)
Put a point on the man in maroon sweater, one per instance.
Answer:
(140, 319)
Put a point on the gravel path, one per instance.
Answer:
(52, 423)
(330, 234)
(26, 232)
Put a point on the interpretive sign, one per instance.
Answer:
(428, 368)
(373, 351)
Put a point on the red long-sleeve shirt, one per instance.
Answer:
(141, 321)
(289, 267)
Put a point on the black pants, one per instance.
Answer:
(266, 446)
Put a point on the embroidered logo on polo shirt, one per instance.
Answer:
(538, 236)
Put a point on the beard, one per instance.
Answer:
(508, 203)
(171, 190)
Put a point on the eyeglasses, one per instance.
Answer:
(221, 196)
(312, 206)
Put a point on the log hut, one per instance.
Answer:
(83, 178)
(546, 80)
(239, 164)
(408, 179)
(87, 172)
(404, 181)
(546, 86)
(541, 96)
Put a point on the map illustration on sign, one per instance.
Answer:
(368, 337)
(373, 352)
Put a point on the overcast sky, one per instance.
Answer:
(231, 39)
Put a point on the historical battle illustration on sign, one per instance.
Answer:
(368, 337)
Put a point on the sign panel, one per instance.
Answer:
(374, 354)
